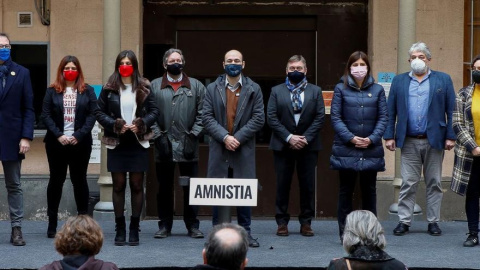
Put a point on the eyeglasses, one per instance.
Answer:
(5, 46)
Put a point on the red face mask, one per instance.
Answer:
(70, 75)
(125, 70)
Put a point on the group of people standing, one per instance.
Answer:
(175, 110)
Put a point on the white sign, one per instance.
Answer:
(223, 191)
(95, 155)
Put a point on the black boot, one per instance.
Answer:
(133, 238)
(52, 226)
(120, 227)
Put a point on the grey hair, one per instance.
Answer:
(224, 254)
(170, 52)
(420, 47)
(297, 58)
(362, 228)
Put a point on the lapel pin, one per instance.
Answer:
(369, 94)
(12, 73)
(237, 94)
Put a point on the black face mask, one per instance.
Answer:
(175, 69)
(295, 76)
(476, 76)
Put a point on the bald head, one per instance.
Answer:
(233, 53)
(227, 247)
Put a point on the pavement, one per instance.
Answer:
(418, 250)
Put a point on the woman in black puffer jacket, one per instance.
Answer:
(359, 117)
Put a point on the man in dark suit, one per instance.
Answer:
(16, 131)
(296, 114)
(421, 104)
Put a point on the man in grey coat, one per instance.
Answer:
(179, 99)
(232, 114)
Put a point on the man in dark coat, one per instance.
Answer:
(295, 113)
(16, 131)
(232, 114)
(226, 248)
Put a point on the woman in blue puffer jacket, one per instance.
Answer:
(359, 117)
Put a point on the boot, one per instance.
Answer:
(52, 226)
(17, 238)
(120, 229)
(133, 238)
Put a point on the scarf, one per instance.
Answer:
(296, 90)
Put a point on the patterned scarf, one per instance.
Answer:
(296, 90)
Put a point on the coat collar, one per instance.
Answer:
(185, 81)
(368, 253)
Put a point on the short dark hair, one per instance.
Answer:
(475, 60)
(223, 253)
(5, 35)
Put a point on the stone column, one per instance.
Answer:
(111, 47)
(407, 11)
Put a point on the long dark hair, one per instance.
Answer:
(115, 80)
(352, 59)
(60, 84)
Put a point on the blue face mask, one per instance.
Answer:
(233, 70)
(4, 54)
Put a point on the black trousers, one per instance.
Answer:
(165, 178)
(305, 162)
(74, 157)
(472, 197)
(368, 187)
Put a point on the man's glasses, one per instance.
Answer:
(5, 46)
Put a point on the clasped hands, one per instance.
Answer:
(297, 142)
(231, 143)
(65, 140)
(131, 127)
(360, 142)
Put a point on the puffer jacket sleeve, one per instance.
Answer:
(336, 111)
(382, 118)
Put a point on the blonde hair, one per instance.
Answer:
(79, 235)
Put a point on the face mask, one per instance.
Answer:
(476, 76)
(175, 69)
(359, 72)
(233, 70)
(4, 54)
(295, 76)
(70, 75)
(125, 70)
(418, 66)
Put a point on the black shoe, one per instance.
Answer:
(472, 240)
(121, 234)
(52, 227)
(434, 230)
(133, 237)
(17, 238)
(252, 242)
(162, 233)
(195, 233)
(401, 229)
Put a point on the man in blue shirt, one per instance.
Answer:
(420, 106)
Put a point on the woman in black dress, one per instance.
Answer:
(67, 112)
(126, 110)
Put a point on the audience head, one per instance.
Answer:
(363, 229)
(79, 235)
(226, 247)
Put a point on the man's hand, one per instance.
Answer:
(390, 144)
(449, 144)
(24, 146)
(297, 142)
(231, 143)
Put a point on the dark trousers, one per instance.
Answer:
(74, 157)
(165, 178)
(473, 195)
(305, 162)
(368, 187)
(244, 213)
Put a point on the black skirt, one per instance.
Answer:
(128, 156)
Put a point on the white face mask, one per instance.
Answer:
(359, 72)
(418, 66)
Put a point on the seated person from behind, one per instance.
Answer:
(226, 248)
(364, 241)
(79, 240)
